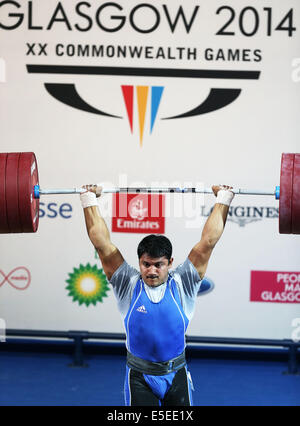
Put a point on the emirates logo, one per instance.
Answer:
(137, 210)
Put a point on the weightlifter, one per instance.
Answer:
(156, 304)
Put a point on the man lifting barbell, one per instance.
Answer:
(156, 304)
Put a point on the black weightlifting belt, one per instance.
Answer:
(155, 368)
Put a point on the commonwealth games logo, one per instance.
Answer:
(87, 285)
(142, 93)
(137, 98)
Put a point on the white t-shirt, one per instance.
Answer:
(185, 276)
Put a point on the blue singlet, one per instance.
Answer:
(156, 331)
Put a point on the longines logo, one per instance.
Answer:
(243, 215)
(217, 98)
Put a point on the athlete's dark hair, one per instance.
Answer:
(155, 246)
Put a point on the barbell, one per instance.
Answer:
(20, 193)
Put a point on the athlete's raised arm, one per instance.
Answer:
(109, 254)
(213, 229)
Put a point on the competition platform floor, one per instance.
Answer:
(39, 374)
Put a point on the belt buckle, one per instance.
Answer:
(170, 366)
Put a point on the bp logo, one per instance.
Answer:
(87, 285)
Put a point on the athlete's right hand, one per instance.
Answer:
(96, 189)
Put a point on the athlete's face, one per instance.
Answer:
(154, 271)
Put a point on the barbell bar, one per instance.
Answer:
(20, 193)
(153, 190)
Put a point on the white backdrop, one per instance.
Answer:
(240, 144)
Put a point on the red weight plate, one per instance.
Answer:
(296, 196)
(286, 192)
(28, 205)
(3, 215)
(12, 193)
(12, 198)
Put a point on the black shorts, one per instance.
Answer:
(139, 393)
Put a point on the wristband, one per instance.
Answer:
(224, 196)
(88, 199)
